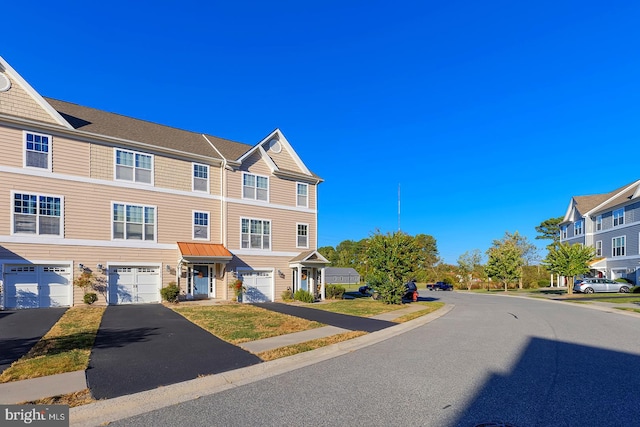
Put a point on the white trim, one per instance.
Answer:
(130, 244)
(297, 235)
(134, 167)
(624, 237)
(263, 253)
(250, 202)
(613, 217)
(155, 221)
(255, 199)
(596, 248)
(193, 177)
(297, 195)
(575, 228)
(49, 151)
(271, 270)
(36, 234)
(270, 233)
(34, 262)
(193, 225)
(615, 196)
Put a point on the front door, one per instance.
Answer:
(304, 279)
(201, 281)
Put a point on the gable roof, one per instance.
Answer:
(585, 205)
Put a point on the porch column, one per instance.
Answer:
(322, 294)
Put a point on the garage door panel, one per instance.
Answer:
(37, 286)
(134, 285)
(259, 286)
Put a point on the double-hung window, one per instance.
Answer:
(618, 246)
(37, 152)
(134, 222)
(200, 177)
(37, 214)
(577, 228)
(256, 234)
(599, 223)
(133, 166)
(302, 198)
(255, 187)
(599, 248)
(201, 225)
(563, 231)
(618, 217)
(303, 236)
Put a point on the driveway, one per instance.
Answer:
(142, 347)
(344, 321)
(22, 329)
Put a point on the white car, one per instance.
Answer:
(591, 285)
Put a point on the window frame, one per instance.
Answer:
(578, 228)
(298, 225)
(617, 217)
(194, 177)
(249, 234)
(254, 187)
(598, 248)
(37, 214)
(298, 195)
(564, 231)
(25, 150)
(193, 225)
(125, 222)
(623, 247)
(133, 167)
(599, 223)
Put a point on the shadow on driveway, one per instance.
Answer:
(142, 347)
(20, 330)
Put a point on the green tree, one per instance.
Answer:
(505, 262)
(330, 254)
(549, 230)
(468, 263)
(392, 260)
(569, 261)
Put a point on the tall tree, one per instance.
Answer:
(528, 252)
(429, 248)
(505, 262)
(392, 260)
(569, 261)
(468, 262)
(549, 230)
(330, 254)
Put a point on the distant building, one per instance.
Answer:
(344, 276)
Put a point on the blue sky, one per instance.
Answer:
(488, 115)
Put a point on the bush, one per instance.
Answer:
(170, 292)
(90, 298)
(334, 291)
(287, 295)
(635, 290)
(304, 296)
(622, 280)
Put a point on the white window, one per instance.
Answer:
(37, 150)
(255, 187)
(134, 222)
(599, 223)
(618, 217)
(200, 177)
(563, 231)
(303, 236)
(256, 234)
(618, 246)
(599, 248)
(37, 214)
(132, 166)
(201, 225)
(302, 195)
(577, 228)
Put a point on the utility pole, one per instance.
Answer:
(398, 206)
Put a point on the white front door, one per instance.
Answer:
(258, 285)
(37, 286)
(134, 285)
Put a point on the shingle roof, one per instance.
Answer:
(118, 126)
(618, 196)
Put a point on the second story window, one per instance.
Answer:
(618, 246)
(577, 228)
(200, 177)
(132, 166)
(303, 236)
(618, 217)
(256, 234)
(302, 195)
(132, 222)
(563, 232)
(37, 214)
(37, 152)
(255, 187)
(599, 248)
(201, 225)
(599, 223)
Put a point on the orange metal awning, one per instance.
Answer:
(200, 252)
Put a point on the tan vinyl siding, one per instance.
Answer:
(11, 145)
(69, 157)
(17, 102)
(172, 173)
(102, 162)
(284, 160)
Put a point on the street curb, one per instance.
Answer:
(40, 388)
(106, 411)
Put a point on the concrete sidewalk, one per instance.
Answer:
(71, 382)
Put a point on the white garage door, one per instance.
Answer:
(37, 286)
(259, 285)
(134, 285)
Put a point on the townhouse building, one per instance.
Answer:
(140, 205)
(610, 223)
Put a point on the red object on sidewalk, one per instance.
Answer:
(415, 296)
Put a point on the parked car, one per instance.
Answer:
(591, 285)
(439, 286)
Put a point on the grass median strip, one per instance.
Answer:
(363, 307)
(65, 348)
(431, 306)
(238, 323)
(290, 350)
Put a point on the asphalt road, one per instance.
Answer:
(519, 361)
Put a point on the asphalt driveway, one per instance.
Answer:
(344, 321)
(22, 329)
(142, 347)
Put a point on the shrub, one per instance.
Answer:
(287, 295)
(622, 280)
(90, 298)
(635, 290)
(170, 292)
(334, 291)
(543, 283)
(304, 296)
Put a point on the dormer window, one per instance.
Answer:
(563, 231)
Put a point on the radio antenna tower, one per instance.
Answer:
(398, 206)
